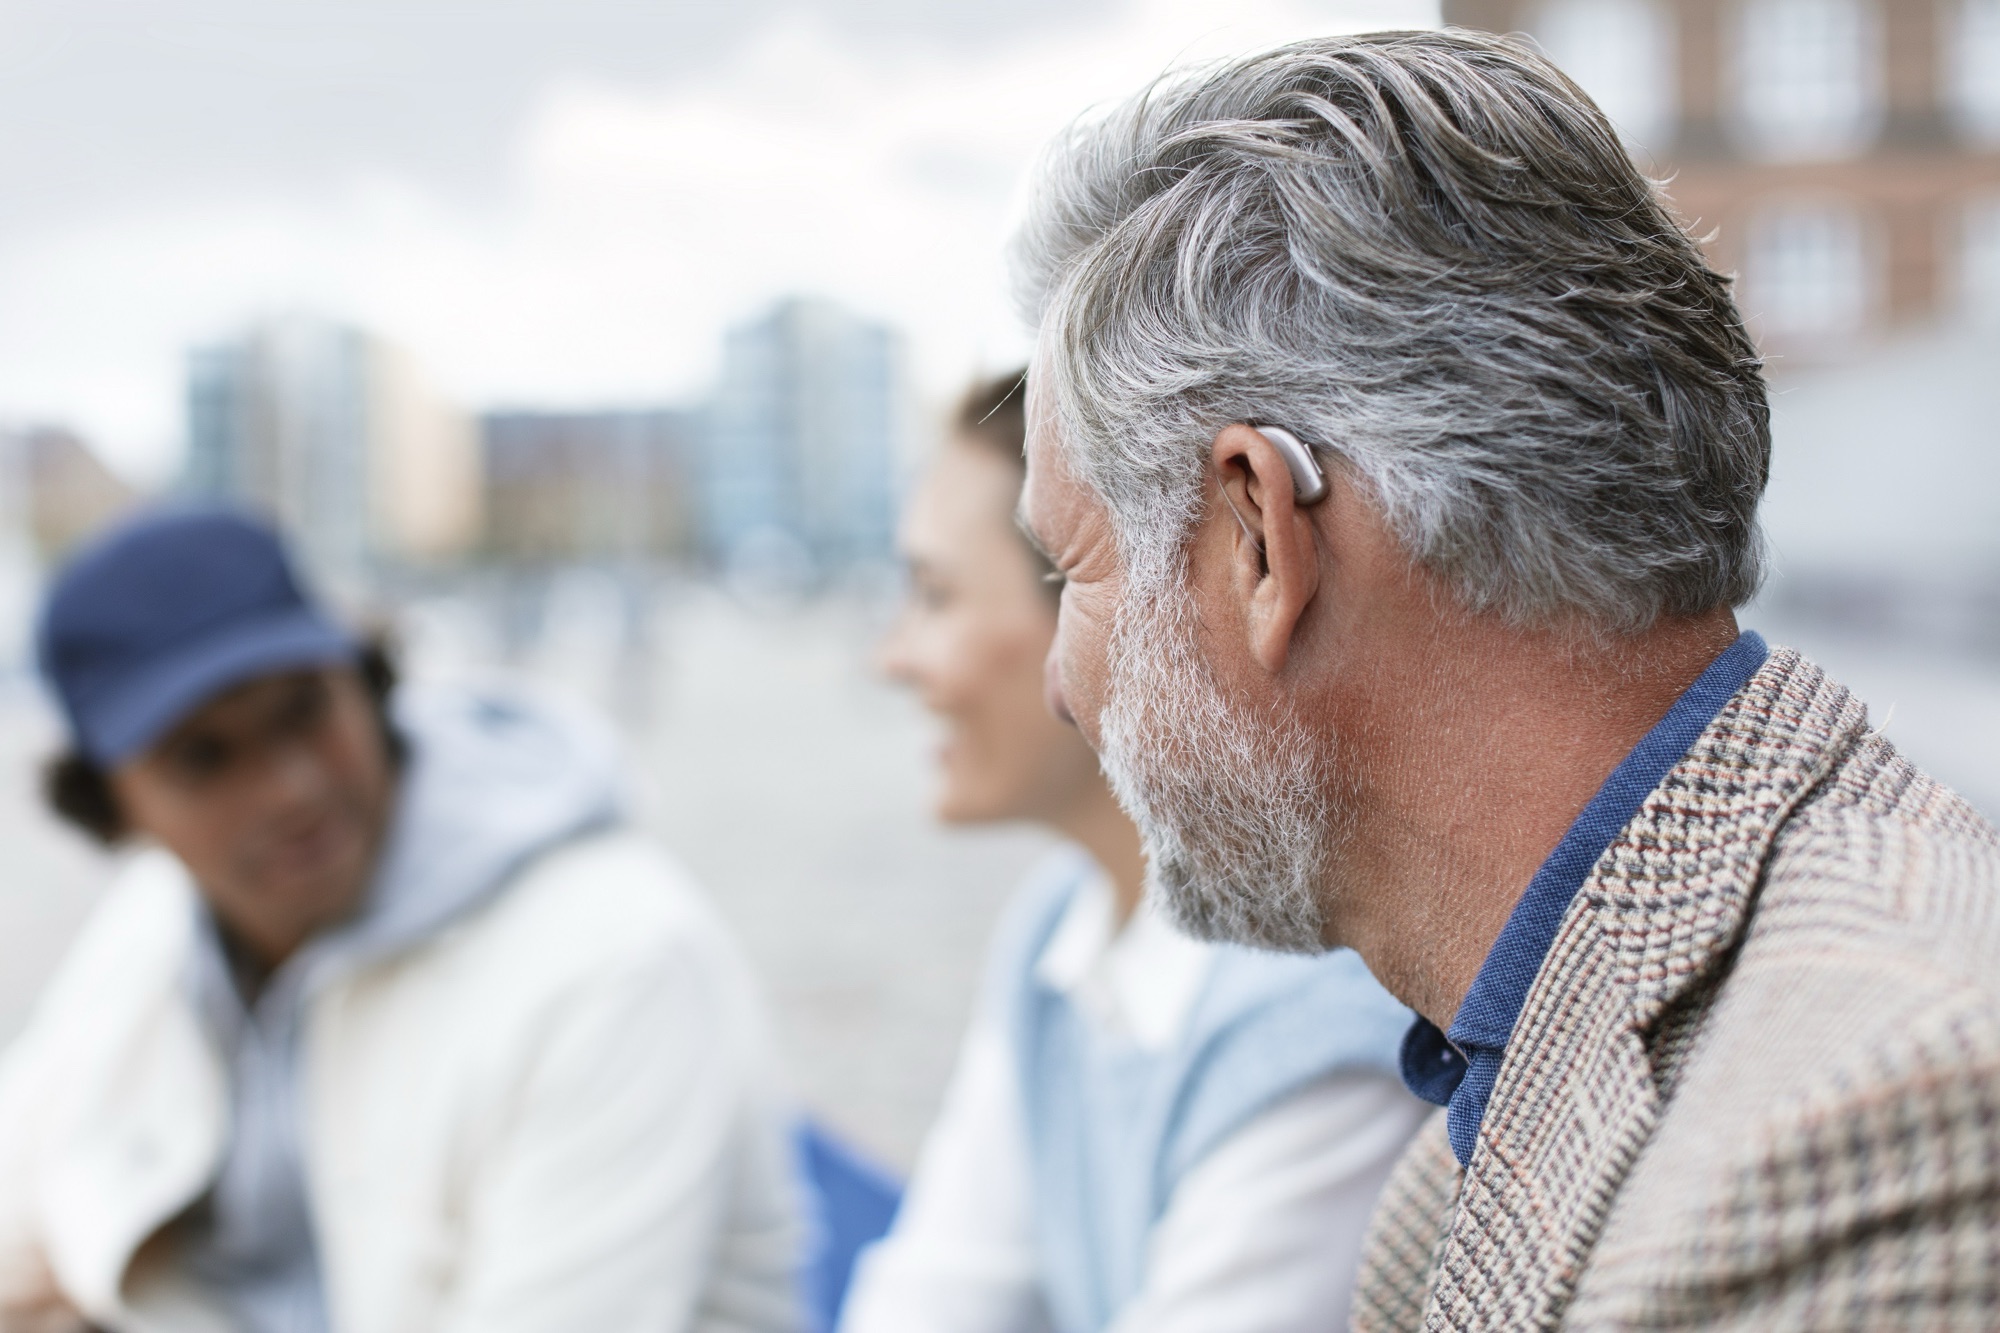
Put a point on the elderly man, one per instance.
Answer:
(1402, 456)
(396, 1024)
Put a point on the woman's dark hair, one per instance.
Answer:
(994, 415)
(79, 791)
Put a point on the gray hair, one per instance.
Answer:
(1428, 255)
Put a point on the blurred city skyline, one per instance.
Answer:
(547, 204)
(786, 470)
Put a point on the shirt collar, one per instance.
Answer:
(1140, 983)
(1457, 1069)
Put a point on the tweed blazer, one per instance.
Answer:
(1756, 1082)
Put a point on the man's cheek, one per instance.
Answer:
(1052, 686)
(1083, 683)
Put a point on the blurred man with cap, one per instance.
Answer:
(395, 1025)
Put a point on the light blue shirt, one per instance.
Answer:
(1457, 1069)
(1113, 1126)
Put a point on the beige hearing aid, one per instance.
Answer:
(1308, 478)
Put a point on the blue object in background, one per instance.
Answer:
(849, 1203)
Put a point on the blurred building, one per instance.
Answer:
(331, 431)
(60, 491)
(1883, 512)
(54, 492)
(1845, 154)
(587, 487)
(798, 462)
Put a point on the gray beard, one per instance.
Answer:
(1231, 809)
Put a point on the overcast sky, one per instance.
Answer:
(546, 201)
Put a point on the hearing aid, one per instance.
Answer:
(1308, 478)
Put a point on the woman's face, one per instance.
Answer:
(972, 639)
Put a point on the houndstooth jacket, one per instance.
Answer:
(1756, 1083)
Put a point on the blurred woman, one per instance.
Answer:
(1144, 1132)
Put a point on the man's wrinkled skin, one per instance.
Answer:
(1466, 746)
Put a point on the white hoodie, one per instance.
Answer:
(525, 1089)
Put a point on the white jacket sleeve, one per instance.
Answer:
(30, 1300)
(638, 1116)
(961, 1257)
(1263, 1235)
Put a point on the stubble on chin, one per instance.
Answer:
(1232, 808)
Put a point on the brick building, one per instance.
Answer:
(1844, 154)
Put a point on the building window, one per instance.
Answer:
(1809, 76)
(1979, 263)
(1807, 274)
(1972, 55)
(1622, 52)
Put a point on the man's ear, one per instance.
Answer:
(1274, 555)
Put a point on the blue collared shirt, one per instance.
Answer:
(1457, 1069)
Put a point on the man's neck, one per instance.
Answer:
(249, 968)
(1497, 741)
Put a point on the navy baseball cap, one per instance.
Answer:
(166, 611)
